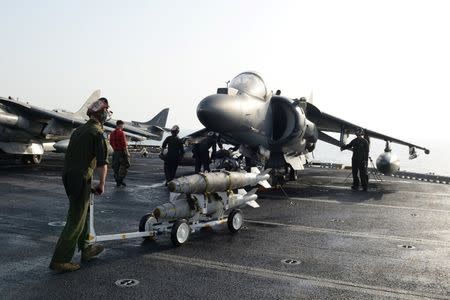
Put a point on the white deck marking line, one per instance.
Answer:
(360, 204)
(23, 218)
(353, 234)
(398, 191)
(279, 275)
(409, 181)
(152, 186)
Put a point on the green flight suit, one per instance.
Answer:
(120, 165)
(86, 151)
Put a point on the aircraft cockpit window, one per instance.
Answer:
(249, 83)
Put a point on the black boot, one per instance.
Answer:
(118, 182)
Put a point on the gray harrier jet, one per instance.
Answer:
(27, 131)
(276, 130)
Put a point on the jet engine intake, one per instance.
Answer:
(8, 119)
(291, 130)
(288, 121)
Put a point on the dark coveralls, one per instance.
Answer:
(360, 147)
(201, 153)
(86, 151)
(175, 152)
(121, 156)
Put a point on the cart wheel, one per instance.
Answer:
(148, 218)
(180, 232)
(235, 220)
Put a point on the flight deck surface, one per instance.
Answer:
(322, 241)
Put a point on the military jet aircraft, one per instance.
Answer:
(27, 131)
(276, 130)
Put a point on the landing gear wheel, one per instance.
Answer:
(25, 159)
(235, 220)
(180, 232)
(36, 159)
(147, 219)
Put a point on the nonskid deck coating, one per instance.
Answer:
(349, 243)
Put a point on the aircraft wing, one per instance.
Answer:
(133, 136)
(326, 122)
(196, 136)
(38, 113)
(133, 132)
(199, 135)
(69, 119)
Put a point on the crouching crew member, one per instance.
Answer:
(201, 152)
(87, 151)
(175, 152)
(121, 156)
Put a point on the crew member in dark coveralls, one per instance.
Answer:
(360, 147)
(201, 152)
(86, 152)
(121, 156)
(175, 152)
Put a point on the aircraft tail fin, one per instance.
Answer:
(93, 97)
(159, 120)
(311, 99)
(155, 125)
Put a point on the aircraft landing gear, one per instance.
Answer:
(292, 174)
(33, 159)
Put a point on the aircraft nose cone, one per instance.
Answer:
(219, 113)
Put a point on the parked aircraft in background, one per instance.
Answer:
(27, 131)
(278, 131)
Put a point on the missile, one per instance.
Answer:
(187, 206)
(214, 182)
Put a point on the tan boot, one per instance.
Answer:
(91, 251)
(64, 267)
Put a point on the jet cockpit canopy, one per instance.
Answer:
(250, 83)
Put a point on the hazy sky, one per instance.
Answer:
(382, 64)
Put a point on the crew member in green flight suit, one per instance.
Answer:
(86, 153)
